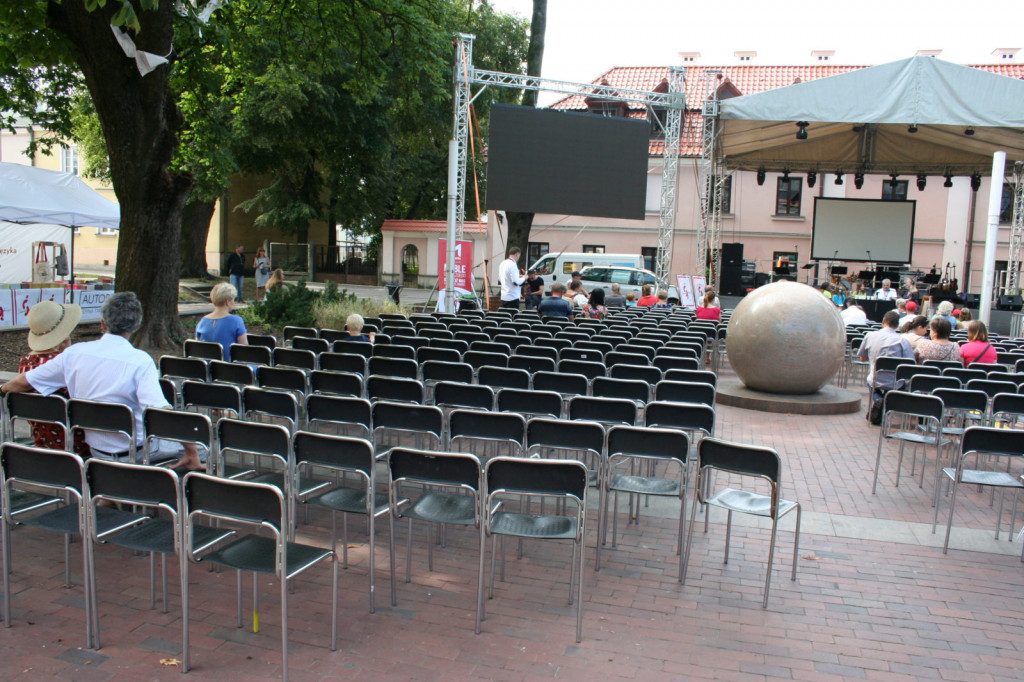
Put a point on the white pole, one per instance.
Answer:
(995, 196)
(453, 198)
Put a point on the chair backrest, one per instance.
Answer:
(687, 416)
(530, 402)
(915, 404)
(393, 367)
(352, 347)
(676, 352)
(268, 440)
(634, 441)
(685, 392)
(394, 388)
(232, 373)
(54, 469)
(93, 415)
(396, 351)
(437, 370)
(591, 370)
(253, 355)
(605, 410)
(964, 375)
(332, 335)
(620, 357)
(991, 388)
(544, 434)
(992, 441)
(737, 458)
(646, 373)
(910, 371)
(987, 367)
(295, 357)
(277, 404)
(456, 345)
(313, 344)
(266, 340)
(503, 377)
(1008, 404)
(291, 332)
(478, 358)
(336, 452)
(50, 409)
(531, 364)
(184, 368)
(207, 350)
(336, 383)
(630, 389)
(442, 333)
(456, 394)
(408, 417)
(667, 363)
(962, 400)
(233, 500)
(1012, 377)
(281, 378)
(195, 394)
(566, 384)
(133, 484)
(640, 346)
(181, 427)
(486, 425)
(585, 354)
(928, 383)
(521, 476)
(435, 354)
(343, 362)
(943, 364)
(340, 412)
(699, 375)
(459, 470)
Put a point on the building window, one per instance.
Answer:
(593, 248)
(1006, 205)
(650, 256)
(726, 195)
(534, 251)
(894, 191)
(787, 196)
(106, 231)
(69, 159)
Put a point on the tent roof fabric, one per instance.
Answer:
(34, 195)
(862, 120)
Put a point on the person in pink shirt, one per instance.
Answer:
(707, 310)
(977, 348)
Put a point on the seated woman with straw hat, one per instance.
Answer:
(49, 332)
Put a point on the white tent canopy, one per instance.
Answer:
(861, 120)
(34, 195)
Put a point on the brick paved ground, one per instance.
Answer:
(871, 601)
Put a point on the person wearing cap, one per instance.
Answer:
(111, 370)
(577, 278)
(908, 312)
(49, 332)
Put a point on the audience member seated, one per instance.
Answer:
(939, 347)
(708, 310)
(915, 331)
(977, 348)
(354, 326)
(556, 305)
(595, 307)
(854, 314)
(221, 326)
(884, 343)
(615, 299)
(631, 299)
(886, 293)
(647, 299)
(110, 370)
(276, 280)
(945, 311)
(662, 300)
(49, 332)
(577, 296)
(963, 317)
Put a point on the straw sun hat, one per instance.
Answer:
(50, 323)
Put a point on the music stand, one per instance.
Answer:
(839, 269)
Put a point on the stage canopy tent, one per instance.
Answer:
(33, 195)
(862, 120)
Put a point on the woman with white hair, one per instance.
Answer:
(945, 311)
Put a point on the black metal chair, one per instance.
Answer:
(336, 383)
(266, 340)
(212, 399)
(295, 357)
(667, 363)
(232, 373)
(342, 415)
(531, 363)
(904, 414)
(250, 355)
(479, 358)
(565, 482)
(395, 389)
(451, 395)
(1006, 445)
(610, 411)
(503, 377)
(180, 369)
(290, 379)
(747, 462)
(538, 352)
(45, 410)
(206, 350)
(279, 406)
(632, 450)
(313, 344)
(629, 389)
(559, 439)
(347, 347)
(406, 425)
(585, 354)
(443, 488)
(486, 434)
(435, 354)
(290, 332)
(395, 351)
(393, 367)
(620, 357)
(56, 474)
(530, 403)
(685, 392)
(646, 373)
(569, 385)
(352, 363)
(263, 508)
(926, 383)
(591, 370)
(187, 428)
(115, 420)
(353, 460)
(699, 375)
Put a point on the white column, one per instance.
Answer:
(995, 195)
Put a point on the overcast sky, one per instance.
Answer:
(587, 37)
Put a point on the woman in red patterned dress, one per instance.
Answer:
(49, 332)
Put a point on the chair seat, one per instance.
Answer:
(534, 526)
(914, 437)
(998, 479)
(157, 535)
(443, 508)
(22, 501)
(65, 520)
(257, 554)
(276, 478)
(645, 485)
(748, 502)
(351, 500)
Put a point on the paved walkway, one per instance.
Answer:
(874, 598)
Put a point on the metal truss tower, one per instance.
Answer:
(711, 185)
(673, 102)
(1013, 276)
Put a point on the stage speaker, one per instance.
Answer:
(761, 278)
(1014, 303)
(732, 281)
(972, 300)
(732, 255)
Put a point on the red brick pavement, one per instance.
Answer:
(859, 609)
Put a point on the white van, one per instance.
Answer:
(558, 267)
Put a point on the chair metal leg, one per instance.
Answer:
(579, 589)
(480, 578)
(771, 556)
(408, 554)
(796, 539)
(238, 599)
(256, 602)
(391, 552)
(183, 568)
(152, 580)
(334, 599)
(952, 506)
(67, 561)
(284, 623)
(372, 546)
(878, 460)
(163, 576)
(689, 535)
(6, 549)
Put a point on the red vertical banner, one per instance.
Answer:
(463, 269)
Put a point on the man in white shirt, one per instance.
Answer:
(110, 370)
(511, 279)
(886, 293)
(853, 314)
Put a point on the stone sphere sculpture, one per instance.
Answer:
(785, 337)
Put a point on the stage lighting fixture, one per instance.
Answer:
(892, 181)
(839, 177)
(922, 180)
(760, 176)
(858, 129)
(785, 175)
(969, 131)
(812, 177)
(801, 134)
(858, 179)
(975, 182)
(948, 182)
(912, 128)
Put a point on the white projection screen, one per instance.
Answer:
(863, 230)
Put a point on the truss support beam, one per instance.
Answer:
(711, 184)
(1013, 278)
(670, 173)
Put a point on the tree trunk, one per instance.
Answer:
(519, 223)
(195, 228)
(140, 121)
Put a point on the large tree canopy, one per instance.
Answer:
(335, 104)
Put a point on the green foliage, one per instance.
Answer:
(288, 306)
(251, 315)
(332, 314)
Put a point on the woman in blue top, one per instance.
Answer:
(221, 326)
